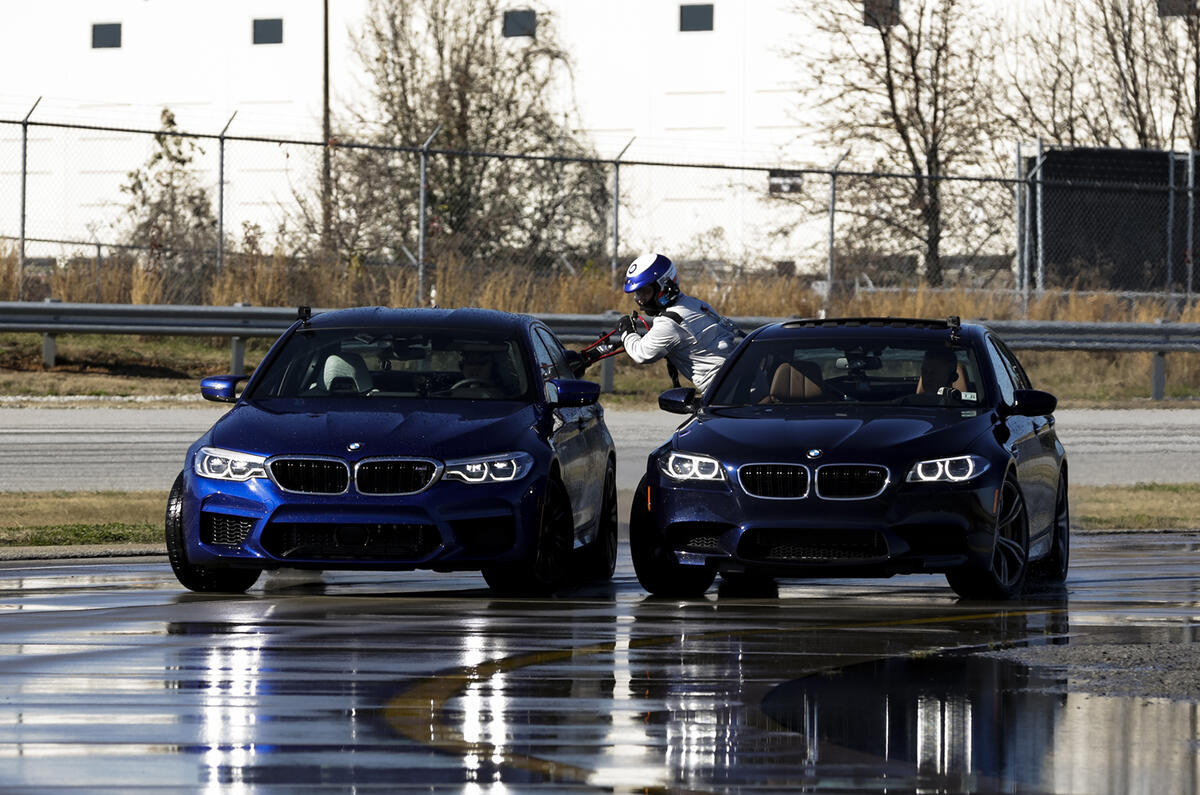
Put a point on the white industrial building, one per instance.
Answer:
(673, 82)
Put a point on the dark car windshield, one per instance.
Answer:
(864, 371)
(421, 363)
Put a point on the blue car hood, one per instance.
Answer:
(786, 434)
(437, 430)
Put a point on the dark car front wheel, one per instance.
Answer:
(1003, 576)
(194, 577)
(654, 562)
(546, 569)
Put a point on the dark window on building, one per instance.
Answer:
(106, 35)
(520, 23)
(881, 13)
(268, 31)
(696, 17)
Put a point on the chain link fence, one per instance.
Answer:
(121, 215)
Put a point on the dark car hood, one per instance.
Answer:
(444, 430)
(787, 434)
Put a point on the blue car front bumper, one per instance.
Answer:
(449, 526)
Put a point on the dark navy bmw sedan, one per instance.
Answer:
(858, 447)
(395, 439)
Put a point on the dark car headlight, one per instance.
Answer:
(489, 469)
(956, 469)
(691, 466)
(213, 462)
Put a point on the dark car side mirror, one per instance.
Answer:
(1032, 403)
(564, 392)
(681, 400)
(221, 388)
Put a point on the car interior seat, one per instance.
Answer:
(346, 372)
(794, 382)
(925, 386)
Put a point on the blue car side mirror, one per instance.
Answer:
(221, 388)
(566, 392)
(681, 400)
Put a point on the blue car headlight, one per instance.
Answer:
(489, 469)
(213, 462)
(691, 466)
(955, 469)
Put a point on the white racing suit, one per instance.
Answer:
(691, 336)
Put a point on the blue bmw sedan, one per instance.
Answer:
(858, 447)
(396, 439)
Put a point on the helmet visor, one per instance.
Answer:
(644, 295)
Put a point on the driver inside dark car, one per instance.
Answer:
(939, 371)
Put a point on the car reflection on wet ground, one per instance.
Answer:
(112, 678)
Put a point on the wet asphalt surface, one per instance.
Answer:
(114, 679)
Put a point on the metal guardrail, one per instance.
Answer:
(241, 322)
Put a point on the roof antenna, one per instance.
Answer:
(305, 315)
(955, 323)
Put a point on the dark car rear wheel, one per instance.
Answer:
(546, 569)
(654, 562)
(1004, 575)
(194, 577)
(598, 560)
(1053, 568)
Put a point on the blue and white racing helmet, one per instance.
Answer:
(651, 279)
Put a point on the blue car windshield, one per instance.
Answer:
(863, 371)
(350, 363)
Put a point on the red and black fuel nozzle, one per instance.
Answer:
(608, 344)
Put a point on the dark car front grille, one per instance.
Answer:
(850, 481)
(338, 541)
(775, 481)
(393, 476)
(310, 475)
(814, 546)
(224, 529)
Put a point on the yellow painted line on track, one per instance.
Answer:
(416, 712)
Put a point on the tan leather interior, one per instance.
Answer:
(793, 382)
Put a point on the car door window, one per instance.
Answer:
(1014, 367)
(1005, 378)
(554, 350)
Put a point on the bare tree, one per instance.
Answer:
(443, 65)
(1106, 73)
(170, 215)
(912, 94)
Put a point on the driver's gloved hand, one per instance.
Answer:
(624, 325)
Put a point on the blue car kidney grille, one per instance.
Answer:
(777, 481)
(850, 481)
(311, 476)
(393, 477)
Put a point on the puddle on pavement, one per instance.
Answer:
(971, 724)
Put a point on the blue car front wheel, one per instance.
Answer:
(204, 579)
(654, 561)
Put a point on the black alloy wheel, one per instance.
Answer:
(598, 560)
(547, 568)
(657, 569)
(1053, 568)
(194, 577)
(1004, 576)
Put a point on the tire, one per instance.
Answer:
(194, 577)
(1004, 576)
(655, 564)
(550, 563)
(598, 560)
(1053, 568)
